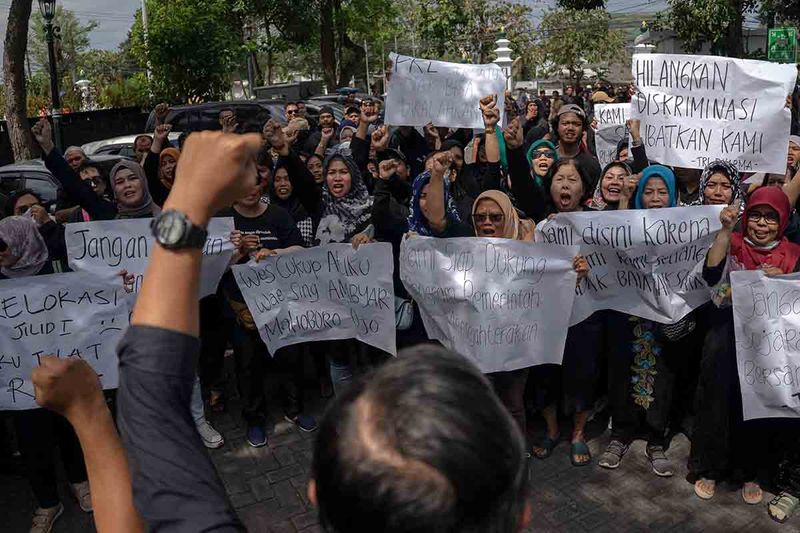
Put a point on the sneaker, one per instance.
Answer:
(613, 454)
(662, 466)
(256, 436)
(211, 437)
(305, 423)
(43, 519)
(83, 494)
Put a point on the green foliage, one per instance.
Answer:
(779, 11)
(714, 21)
(73, 42)
(192, 46)
(576, 39)
(466, 30)
(585, 5)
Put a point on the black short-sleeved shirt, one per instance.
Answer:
(275, 227)
(175, 484)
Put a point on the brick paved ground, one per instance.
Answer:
(267, 486)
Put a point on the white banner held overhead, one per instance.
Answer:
(695, 109)
(447, 94)
(644, 262)
(106, 247)
(323, 293)
(68, 315)
(766, 318)
(610, 131)
(501, 303)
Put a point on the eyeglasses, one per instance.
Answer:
(496, 218)
(291, 111)
(758, 216)
(549, 154)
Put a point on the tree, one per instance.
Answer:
(192, 46)
(718, 22)
(16, 43)
(466, 30)
(73, 41)
(573, 40)
(774, 12)
(585, 5)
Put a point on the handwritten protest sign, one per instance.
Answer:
(766, 319)
(501, 303)
(68, 315)
(323, 293)
(106, 247)
(610, 130)
(695, 109)
(447, 94)
(644, 262)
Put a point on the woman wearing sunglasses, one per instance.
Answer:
(759, 245)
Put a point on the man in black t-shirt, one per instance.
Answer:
(262, 229)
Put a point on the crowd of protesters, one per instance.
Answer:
(360, 181)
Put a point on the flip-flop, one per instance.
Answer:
(579, 448)
(547, 445)
(786, 503)
(752, 500)
(705, 494)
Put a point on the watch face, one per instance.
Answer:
(171, 228)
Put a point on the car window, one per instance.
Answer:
(10, 184)
(44, 188)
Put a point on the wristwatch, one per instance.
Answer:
(173, 230)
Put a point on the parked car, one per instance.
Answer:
(121, 145)
(251, 115)
(35, 176)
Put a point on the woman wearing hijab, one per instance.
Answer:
(432, 212)
(130, 191)
(493, 215)
(528, 170)
(724, 445)
(283, 192)
(23, 253)
(159, 164)
(128, 184)
(168, 160)
(346, 203)
(608, 191)
(641, 374)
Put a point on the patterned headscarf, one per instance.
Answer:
(146, 207)
(726, 168)
(416, 219)
(24, 242)
(597, 201)
(344, 217)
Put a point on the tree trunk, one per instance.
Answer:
(327, 46)
(733, 38)
(16, 43)
(351, 62)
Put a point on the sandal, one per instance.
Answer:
(706, 493)
(782, 507)
(579, 448)
(547, 446)
(752, 493)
